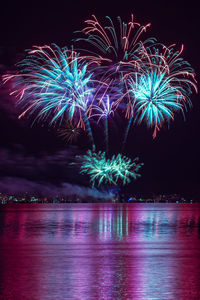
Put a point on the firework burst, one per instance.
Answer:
(101, 170)
(162, 87)
(54, 83)
(144, 80)
(69, 132)
(116, 48)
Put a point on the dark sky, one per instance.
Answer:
(172, 160)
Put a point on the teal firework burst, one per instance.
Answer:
(54, 84)
(162, 87)
(116, 170)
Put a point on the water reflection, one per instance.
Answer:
(100, 251)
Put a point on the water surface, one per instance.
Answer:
(100, 251)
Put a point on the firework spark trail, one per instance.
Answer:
(89, 131)
(106, 134)
(103, 110)
(126, 132)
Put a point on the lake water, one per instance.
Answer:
(100, 251)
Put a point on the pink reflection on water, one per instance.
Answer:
(138, 252)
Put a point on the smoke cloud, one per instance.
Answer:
(45, 175)
(14, 185)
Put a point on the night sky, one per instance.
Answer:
(36, 154)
